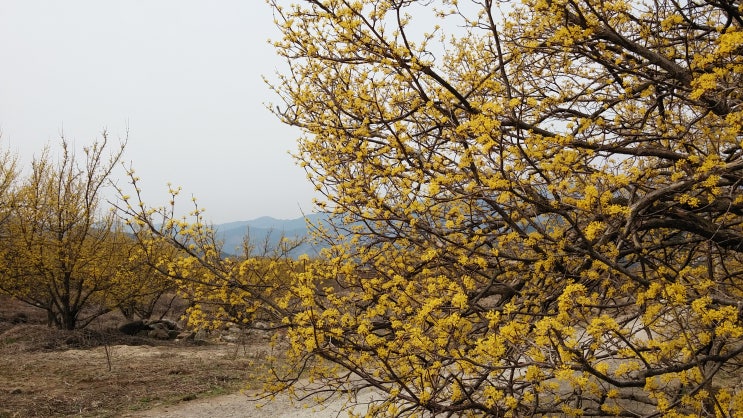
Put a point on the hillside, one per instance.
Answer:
(267, 229)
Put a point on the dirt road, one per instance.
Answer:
(238, 406)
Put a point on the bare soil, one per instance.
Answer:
(243, 406)
(46, 372)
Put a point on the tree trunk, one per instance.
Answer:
(69, 319)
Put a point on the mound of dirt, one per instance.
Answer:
(30, 338)
(15, 311)
(23, 328)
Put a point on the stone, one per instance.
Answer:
(185, 336)
(163, 323)
(201, 335)
(159, 334)
(134, 327)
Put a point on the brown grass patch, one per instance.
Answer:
(45, 372)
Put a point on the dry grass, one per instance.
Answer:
(46, 372)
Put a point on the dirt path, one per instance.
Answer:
(238, 406)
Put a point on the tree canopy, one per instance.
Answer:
(62, 251)
(187, 251)
(538, 204)
(8, 177)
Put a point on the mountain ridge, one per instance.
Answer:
(267, 229)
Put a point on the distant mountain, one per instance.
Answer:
(267, 228)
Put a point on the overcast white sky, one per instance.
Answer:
(183, 75)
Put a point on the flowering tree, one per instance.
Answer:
(63, 251)
(539, 204)
(142, 291)
(8, 178)
(186, 252)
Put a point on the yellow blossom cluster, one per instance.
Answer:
(537, 206)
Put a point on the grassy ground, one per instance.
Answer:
(46, 372)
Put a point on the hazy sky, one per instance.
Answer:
(183, 76)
